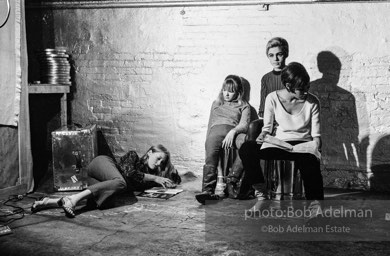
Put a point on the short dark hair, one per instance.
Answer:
(296, 75)
(278, 42)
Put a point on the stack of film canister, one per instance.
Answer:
(55, 66)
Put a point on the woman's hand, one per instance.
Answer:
(260, 138)
(319, 142)
(165, 182)
(229, 139)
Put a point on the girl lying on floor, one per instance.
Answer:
(106, 179)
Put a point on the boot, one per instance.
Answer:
(208, 184)
(236, 171)
(206, 196)
(234, 179)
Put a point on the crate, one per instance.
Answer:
(73, 149)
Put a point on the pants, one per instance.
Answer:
(214, 143)
(308, 164)
(237, 167)
(106, 180)
(213, 147)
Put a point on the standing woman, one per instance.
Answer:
(277, 51)
(297, 113)
(106, 178)
(229, 118)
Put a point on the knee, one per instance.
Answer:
(100, 159)
(254, 129)
(97, 163)
(253, 126)
(119, 185)
(240, 139)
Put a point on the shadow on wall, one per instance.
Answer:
(247, 96)
(380, 165)
(73, 87)
(103, 147)
(339, 119)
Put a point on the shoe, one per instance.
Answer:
(205, 196)
(68, 207)
(315, 210)
(232, 187)
(261, 195)
(260, 191)
(42, 204)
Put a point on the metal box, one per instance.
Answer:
(73, 149)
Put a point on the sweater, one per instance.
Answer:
(269, 82)
(301, 126)
(230, 113)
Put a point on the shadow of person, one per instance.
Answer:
(380, 165)
(246, 96)
(339, 120)
(103, 147)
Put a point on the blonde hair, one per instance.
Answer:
(278, 42)
(166, 169)
(232, 83)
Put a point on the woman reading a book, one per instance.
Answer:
(106, 179)
(297, 115)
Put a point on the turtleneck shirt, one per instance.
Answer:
(269, 82)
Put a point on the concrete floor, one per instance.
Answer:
(180, 226)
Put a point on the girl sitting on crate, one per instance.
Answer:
(229, 117)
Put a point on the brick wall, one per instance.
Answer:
(149, 75)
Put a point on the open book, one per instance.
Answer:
(305, 147)
(160, 192)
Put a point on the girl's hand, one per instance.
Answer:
(260, 138)
(319, 142)
(229, 139)
(165, 182)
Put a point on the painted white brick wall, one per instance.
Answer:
(149, 75)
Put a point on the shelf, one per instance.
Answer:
(48, 88)
(53, 88)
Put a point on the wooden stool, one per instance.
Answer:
(283, 179)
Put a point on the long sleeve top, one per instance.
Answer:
(133, 170)
(301, 126)
(230, 113)
(269, 82)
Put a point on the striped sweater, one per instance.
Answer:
(269, 82)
